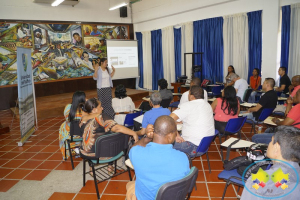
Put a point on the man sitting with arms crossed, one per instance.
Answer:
(155, 161)
(151, 115)
(197, 121)
(268, 100)
(285, 148)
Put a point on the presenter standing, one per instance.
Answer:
(104, 85)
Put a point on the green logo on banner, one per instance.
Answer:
(24, 61)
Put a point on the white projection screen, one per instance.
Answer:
(123, 55)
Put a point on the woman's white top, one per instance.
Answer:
(105, 79)
(122, 105)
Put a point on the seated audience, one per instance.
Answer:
(285, 148)
(164, 92)
(197, 121)
(155, 161)
(268, 100)
(225, 108)
(295, 86)
(240, 86)
(185, 96)
(151, 115)
(255, 82)
(292, 119)
(230, 76)
(285, 82)
(72, 112)
(122, 104)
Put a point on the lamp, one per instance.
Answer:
(114, 4)
(57, 2)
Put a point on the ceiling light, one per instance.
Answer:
(57, 2)
(118, 6)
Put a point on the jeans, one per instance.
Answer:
(187, 147)
(248, 115)
(265, 138)
(252, 97)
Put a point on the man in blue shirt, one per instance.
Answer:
(155, 161)
(151, 115)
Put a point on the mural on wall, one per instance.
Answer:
(59, 51)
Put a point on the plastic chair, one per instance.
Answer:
(247, 94)
(266, 112)
(231, 177)
(128, 122)
(74, 130)
(174, 105)
(204, 146)
(178, 190)
(233, 126)
(216, 91)
(165, 103)
(112, 146)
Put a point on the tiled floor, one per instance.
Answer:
(38, 161)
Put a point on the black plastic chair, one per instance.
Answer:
(112, 146)
(165, 103)
(74, 130)
(178, 190)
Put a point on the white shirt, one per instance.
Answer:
(122, 105)
(89, 64)
(241, 85)
(197, 120)
(185, 97)
(105, 79)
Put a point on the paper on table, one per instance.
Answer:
(248, 104)
(129, 164)
(240, 144)
(282, 98)
(269, 121)
(139, 119)
(212, 99)
(146, 99)
(179, 127)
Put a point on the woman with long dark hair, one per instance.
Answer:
(231, 75)
(225, 108)
(72, 112)
(104, 84)
(255, 82)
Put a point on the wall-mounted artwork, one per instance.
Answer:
(59, 51)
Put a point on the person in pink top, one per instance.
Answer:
(225, 108)
(295, 85)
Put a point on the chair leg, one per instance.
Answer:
(238, 189)
(70, 152)
(115, 167)
(221, 148)
(208, 162)
(240, 135)
(95, 181)
(225, 190)
(65, 143)
(84, 163)
(129, 174)
(188, 197)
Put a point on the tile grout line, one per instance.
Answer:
(205, 178)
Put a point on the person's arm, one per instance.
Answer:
(290, 89)
(289, 105)
(174, 116)
(214, 104)
(141, 132)
(95, 75)
(255, 109)
(281, 88)
(122, 129)
(231, 83)
(258, 84)
(286, 122)
(149, 137)
(113, 72)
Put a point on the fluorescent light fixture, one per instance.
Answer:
(118, 6)
(57, 2)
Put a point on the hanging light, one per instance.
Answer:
(57, 2)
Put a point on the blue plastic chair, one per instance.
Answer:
(216, 91)
(128, 122)
(266, 112)
(233, 126)
(174, 105)
(231, 177)
(204, 146)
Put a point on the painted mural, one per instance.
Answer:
(59, 51)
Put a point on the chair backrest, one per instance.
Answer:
(177, 190)
(266, 112)
(74, 128)
(216, 90)
(205, 143)
(235, 125)
(247, 94)
(129, 118)
(165, 103)
(111, 145)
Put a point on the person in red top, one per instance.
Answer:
(255, 82)
(292, 119)
(225, 108)
(295, 85)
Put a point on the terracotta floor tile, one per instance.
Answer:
(10, 155)
(116, 187)
(41, 156)
(35, 149)
(56, 156)
(44, 143)
(212, 147)
(3, 161)
(7, 148)
(216, 190)
(37, 175)
(90, 187)
(52, 136)
(123, 176)
(49, 164)
(62, 196)
(197, 163)
(13, 163)
(200, 176)
(5, 141)
(66, 165)
(21, 149)
(214, 165)
(18, 174)
(113, 197)
(86, 196)
(199, 198)
(212, 156)
(201, 190)
(51, 149)
(5, 185)
(25, 156)
(213, 176)
(31, 164)
(4, 172)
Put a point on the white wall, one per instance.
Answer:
(84, 11)
(156, 14)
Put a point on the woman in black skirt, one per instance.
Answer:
(104, 85)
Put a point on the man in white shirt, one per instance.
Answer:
(185, 95)
(197, 121)
(240, 86)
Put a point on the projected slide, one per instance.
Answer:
(122, 57)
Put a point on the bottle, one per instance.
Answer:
(259, 129)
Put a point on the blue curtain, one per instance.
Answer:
(285, 35)
(255, 41)
(139, 37)
(208, 38)
(157, 59)
(177, 48)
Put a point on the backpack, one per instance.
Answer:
(204, 83)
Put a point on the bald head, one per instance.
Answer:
(196, 81)
(296, 80)
(165, 125)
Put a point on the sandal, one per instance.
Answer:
(110, 169)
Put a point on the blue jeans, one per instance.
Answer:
(265, 138)
(248, 115)
(187, 147)
(252, 97)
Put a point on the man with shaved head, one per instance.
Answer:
(155, 161)
(295, 85)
